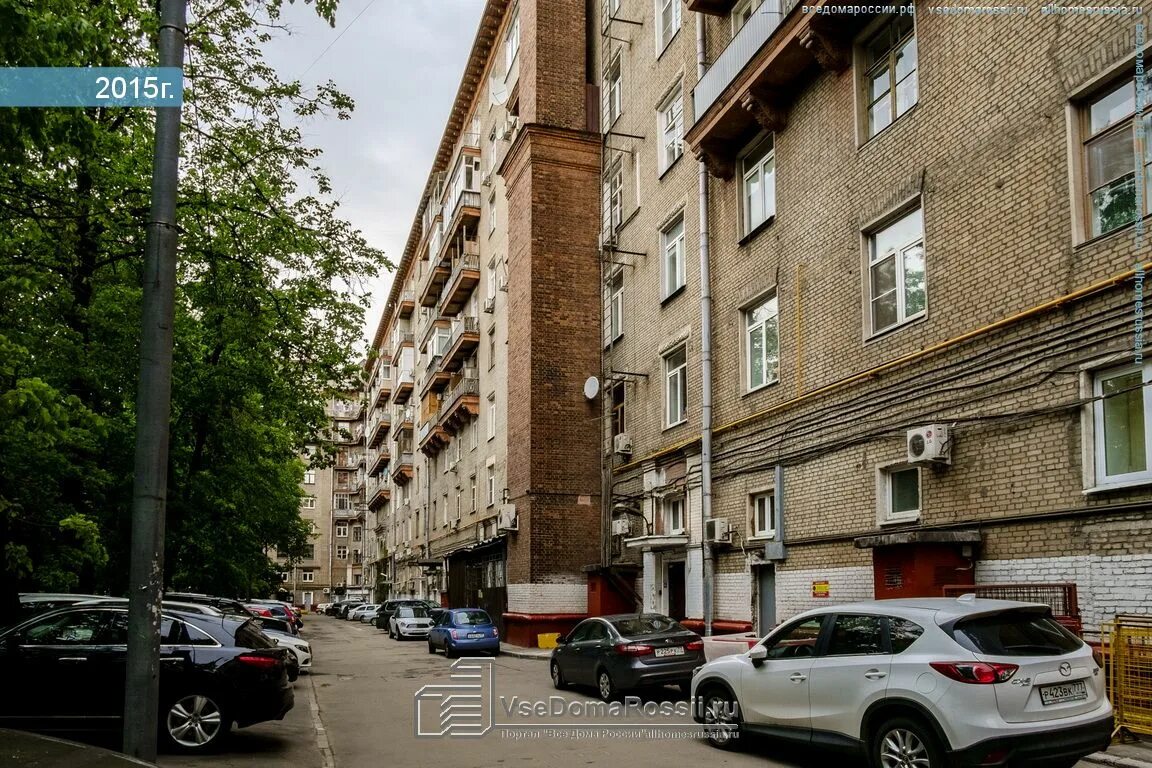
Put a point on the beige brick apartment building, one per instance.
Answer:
(916, 221)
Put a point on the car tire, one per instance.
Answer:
(558, 681)
(449, 651)
(721, 715)
(605, 687)
(194, 723)
(905, 741)
(431, 648)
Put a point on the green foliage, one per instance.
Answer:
(269, 305)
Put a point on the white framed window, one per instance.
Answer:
(762, 344)
(285, 575)
(512, 40)
(474, 433)
(491, 293)
(444, 508)
(619, 398)
(491, 214)
(763, 509)
(357, 533)
(1121, 425)
(667, 22)
(891, 77)
(472, 484)
(612, 103)
(898, 493)
(1118, 140)
(897, 291)
(490, 484)
(670, 126)
(341, 552)
(491, 415)
(457, 444)
(341, 530)
(676, 387)
(672, 264)
(614, 197)
(307, 576)
(758, 187)
(458, 497)
(616, 306)
(309, 477)
(308, 502)
(673, 511)
(741, 13)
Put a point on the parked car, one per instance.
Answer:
(388, 607)
(926, 682)
(232, 608)
(68, 665)
(409, 621)
(281, 610)
(626, 651)
(301, 649)
(343, 610)
(32, 603)
(322, 608)
(464, 630)
(367, 610)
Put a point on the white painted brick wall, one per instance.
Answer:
(548, 598)
(1105, 586)
(693, 584)
(651, 590)
(734, 596)
(845, 585)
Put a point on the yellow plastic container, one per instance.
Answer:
(547, 640)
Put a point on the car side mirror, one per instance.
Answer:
(757, 655)
(561, 640)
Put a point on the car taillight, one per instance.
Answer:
(633, 649)
(266, 662)
(975, 672)
(263, 612)
(1098, 657)
(495, 632)
(454, 636)
(695, 645)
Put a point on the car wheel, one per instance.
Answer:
(558, 681)
(905, 743)
(431, 648)
(449, 651)
(721, 718)
(194, 723)
(605, 687)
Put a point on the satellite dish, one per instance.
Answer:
(591, 388)
(497, 91)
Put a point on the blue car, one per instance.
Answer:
(464, 631)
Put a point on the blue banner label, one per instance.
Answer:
(91, 87)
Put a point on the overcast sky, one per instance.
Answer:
(401, 60)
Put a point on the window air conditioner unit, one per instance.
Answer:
(622, 444)
(506, 521)
(455, 523)
(490, 305)
(621, 527)
(930, 444)
(716, 531)
(326, 590)
(508, 128)
(486, 179)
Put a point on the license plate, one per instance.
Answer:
(1058, 694)
(675, 651)
(475, 635)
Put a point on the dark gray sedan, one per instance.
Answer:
(626, 651)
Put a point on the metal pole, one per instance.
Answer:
(153, 408)
(705, 360)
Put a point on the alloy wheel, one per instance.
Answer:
(721, 720)
(604, 684)
(195, 721)
(903, 748)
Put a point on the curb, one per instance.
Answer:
(1115, 761)
(524, 653)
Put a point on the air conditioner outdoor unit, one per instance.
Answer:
(716, 531)
(622, 444)
(486, 179)
(455, 523)
(326, 590)
(506, 521)
(452, 465)
(502, 282)
(621, 527)
(930, 444)
(490, 304)
(653, 480)
(508, 128)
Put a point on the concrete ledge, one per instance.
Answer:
(520, 652)
(1137, 755)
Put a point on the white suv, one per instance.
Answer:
(916, 683)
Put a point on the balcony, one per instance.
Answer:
(404, 418)
(463, 342)
(354, 436)
(463, 215)
(432, 437)
(348, 513)
(347, 459)
(380, 497)
(438, 274)
(462, 403)
(379, 428)
(383, 393)
(751, 84)
(465, 278)
(402, 468)
(435, 377)
(402, 340)
(712, 7)
(380, 463)
(404, 385)
(406, 304)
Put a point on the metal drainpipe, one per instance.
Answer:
(705, 360)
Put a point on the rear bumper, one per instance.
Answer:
(482, 644)
(638, 674)
(1039, 749)
(260, 706)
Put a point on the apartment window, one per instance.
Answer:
(357, 533)
(762, 344)
(309, 477)
(742, 12)
(672, 246)
(444, 507)
(764, 514)
(675, 387)
(899, 493)
(492, 348)
(356, 579)
(616, 306)
(896, 278)
(341, 552)
(1121, 425)
(458, 496)
(309, 551)
(491, 484)
(671, 127)
(342, 501)
(759, 184)
(491, 415)
(456, 443)
(512, 40)
(890, 73)
(285, 575)
(491, 294)
(474, 433)
(308, 502)
(667, 22)
(614, 195)
(618, 395)
(673, 507)
(342, 531)
(472, 484)
(307, 576)
(1111, 123)
(612, 103)
(492, 213)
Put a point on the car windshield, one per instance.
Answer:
(646, 625)
(472, 618)
(411, 612)
(1015, 633)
